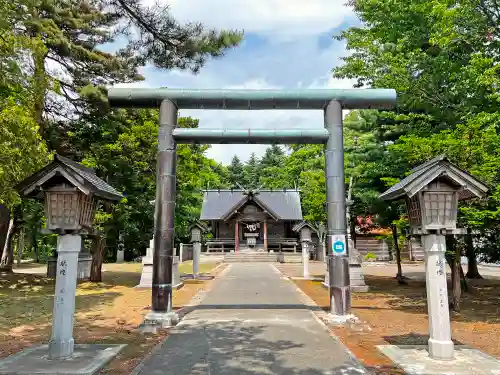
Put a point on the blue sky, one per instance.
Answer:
(288, 44)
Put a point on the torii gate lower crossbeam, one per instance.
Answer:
(171, 100)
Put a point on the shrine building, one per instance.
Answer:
(264, 220)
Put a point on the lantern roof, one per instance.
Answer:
(60, 169)
(437, 168)
(199, 225)
(303, 224)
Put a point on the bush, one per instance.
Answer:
(370, 257)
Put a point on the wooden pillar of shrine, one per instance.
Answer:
(265, 235)
(236, 236)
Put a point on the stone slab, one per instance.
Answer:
(155, 321)
(415, 360)
(88, 359)
(189, 276)
(120, 256)
(147, 275)
(354, 288)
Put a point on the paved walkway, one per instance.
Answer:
(252, 322)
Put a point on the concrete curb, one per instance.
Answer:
(322, 317)
(312, 278)
(36, 354)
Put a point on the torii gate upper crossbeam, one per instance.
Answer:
(253, 99)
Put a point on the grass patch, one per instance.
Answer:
(106, 312)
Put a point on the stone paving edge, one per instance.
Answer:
(322, 317)
(195, 300)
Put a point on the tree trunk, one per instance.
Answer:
(20, 246)
(465, 286)
(353, 231)
(453, 259)
(399, 275)
(472, 270)
(97, 258)
(4, 225)
(40, 89)
(456, 282)
(35, 246)
(7, 253)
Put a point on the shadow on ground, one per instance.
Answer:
(113, 278)
(254, 306)
(230, 348)
(27, 301)
(480, 304)
(411, 339)
(22, 314)
(88, 332)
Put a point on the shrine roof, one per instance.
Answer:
(284, 204)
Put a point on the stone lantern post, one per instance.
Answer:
(432, 192)
(305, 230)
(71, 192)
(196, 232)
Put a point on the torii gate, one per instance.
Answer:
(331, 101)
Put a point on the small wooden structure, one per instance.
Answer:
(70, 191)
(197, 229)
(432, 192)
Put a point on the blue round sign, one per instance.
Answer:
(338, 247)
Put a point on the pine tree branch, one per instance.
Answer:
(133, 14)
(491, 14)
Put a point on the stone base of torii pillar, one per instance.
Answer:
(356, 277)
(147, 269)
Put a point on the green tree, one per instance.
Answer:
(251, 173)
(443, 62)
(22, 151)
(235, 172)
(271, 167)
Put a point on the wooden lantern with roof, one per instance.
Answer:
(432, 192)
(71, 192)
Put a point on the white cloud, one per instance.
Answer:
(277, 19)
(287, 45)
(273, 119)
(254, 84)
